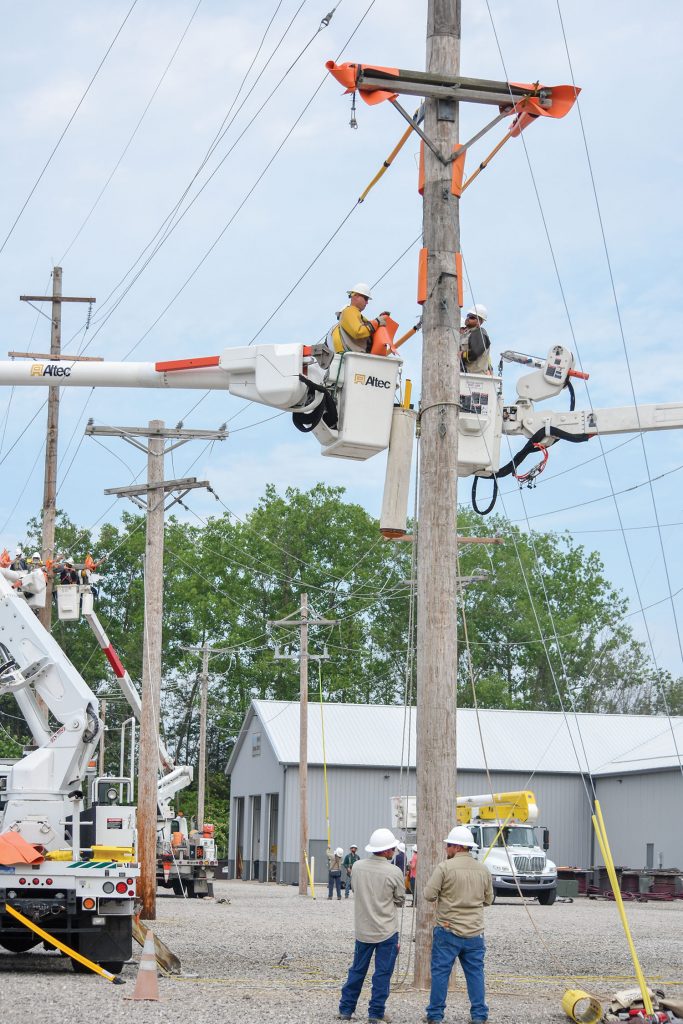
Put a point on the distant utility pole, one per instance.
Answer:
(205, 652)
(303, 622)
(50, 484)
(152, 498)
(437, 654)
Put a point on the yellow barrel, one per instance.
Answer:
(581, 1007)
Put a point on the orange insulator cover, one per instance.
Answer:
(458, 277)
(383, 338)
(458, 172)
(529, 107)
(422, 277)
(421, 171)
(347, 75)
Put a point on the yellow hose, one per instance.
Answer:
(601, 833)
(113, 978)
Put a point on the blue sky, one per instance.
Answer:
(540, 267)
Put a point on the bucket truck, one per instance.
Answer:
(186, 860)
(505, 831)
(80, 885)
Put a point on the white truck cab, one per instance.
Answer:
(516, 860)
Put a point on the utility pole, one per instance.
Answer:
(152, 498)
(303, 622)
(50, 481)
(203, 700)
(437, 544)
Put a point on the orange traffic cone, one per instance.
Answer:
(167, 870)
(147, 982)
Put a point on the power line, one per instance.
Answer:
(66, 128)
(134, 132)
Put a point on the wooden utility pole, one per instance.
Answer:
(51, 443)
(203, 701)
(303, 622)
(152, 498)
(437, 545)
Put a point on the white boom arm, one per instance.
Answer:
(32, 666)
(348, 406)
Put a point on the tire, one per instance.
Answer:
(19, 943)
(547, 898)
(113, 966)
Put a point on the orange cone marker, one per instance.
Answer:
(147, 982)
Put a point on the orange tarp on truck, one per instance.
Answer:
(15, 850)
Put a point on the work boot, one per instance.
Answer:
(386, 1019)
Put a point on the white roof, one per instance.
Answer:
(367, 735)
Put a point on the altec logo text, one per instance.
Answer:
(51, 370)
(373, 382)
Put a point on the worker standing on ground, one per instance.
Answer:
(379, 889)
(461, 888)
(353, 332)
(475, 344)
(334, 866)
(412, 873)
(349, 860)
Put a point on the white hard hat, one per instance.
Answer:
(478, 310)
(402, 847)
(415, 849)
(338, 852)
(361, 289)
(35, 557)
(19, 551)
(353, 846)
(460, 836)
(381, 839)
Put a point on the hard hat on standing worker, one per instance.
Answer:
(381, 839)
(339, 852)
(460, 836)
(481, 312)
(361, 289)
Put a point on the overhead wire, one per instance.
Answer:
(170, 228)
(606, 464)
(67, 126)
(133, 133)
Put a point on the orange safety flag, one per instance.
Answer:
(5, 559)
(529, 108)
(383, 338)
(347, 75)
(15, 850)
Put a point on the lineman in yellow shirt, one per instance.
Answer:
(353, 332)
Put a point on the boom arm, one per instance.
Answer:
(32, 666)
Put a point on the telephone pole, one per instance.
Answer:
(152, 498)
(437, 544)
(303, 622)
(50, 481)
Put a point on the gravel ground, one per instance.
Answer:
(270, 955)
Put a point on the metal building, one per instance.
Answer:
(632, 763)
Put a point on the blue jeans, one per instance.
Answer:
(333, 882)
(446, 948)
(385, 958)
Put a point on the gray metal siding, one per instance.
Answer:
(642, 809)
(254, 776)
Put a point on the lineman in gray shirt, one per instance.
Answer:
(379, 888)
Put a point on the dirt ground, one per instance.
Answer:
(269, 955)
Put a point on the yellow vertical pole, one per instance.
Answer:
(601, 833)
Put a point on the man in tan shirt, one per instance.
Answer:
(379, 888)
(461, 888)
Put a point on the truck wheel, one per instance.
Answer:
(547, 898)
(19, 943)
(113, 966)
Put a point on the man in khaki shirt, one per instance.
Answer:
(379, 888)
(461, 888)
